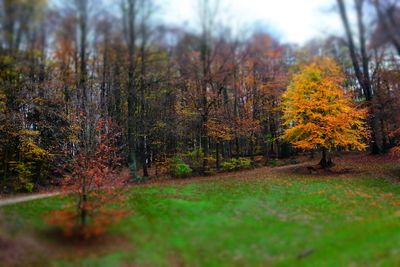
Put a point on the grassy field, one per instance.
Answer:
(262, 217)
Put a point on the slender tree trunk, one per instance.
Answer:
(83, 34)
(237, 147)
(362, 74)
(144, 157)
(143, 149)
(252, 149)
(217, 156)
(131, 89)
(83, 203)
(385, 144)
(235, 109)
(254, 115)
(205, 63)
(117, 109)
(103, 102)
(131, 124)
(205, 149)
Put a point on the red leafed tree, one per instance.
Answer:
(96, 181)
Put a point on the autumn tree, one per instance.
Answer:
(33, 126)
(263, 73)
(220, 129)
(204, 70)
(95, 182)
(319, 113)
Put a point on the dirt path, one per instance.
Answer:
(257, 172)
(18, 199)
(252, 172)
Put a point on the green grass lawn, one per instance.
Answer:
(255, 218)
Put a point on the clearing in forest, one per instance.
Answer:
(262, 217)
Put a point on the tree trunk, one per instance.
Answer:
(205, 150)
(83, 203)
(217, 159)
(375, 145)
(326, 161)
(131, 89)
(252, 150)
(361, 72)
(103, 100)
(144, 157)
(312, 154)
(237, 147)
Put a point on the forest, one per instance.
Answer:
(104, 104)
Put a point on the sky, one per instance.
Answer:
(294, 21)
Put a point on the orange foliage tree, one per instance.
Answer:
(95, 182)
(319, 113)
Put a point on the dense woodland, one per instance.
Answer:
(199, 100)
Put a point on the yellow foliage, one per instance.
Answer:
(219, 129)
(2, 101)
(319, 113)
(30, 150)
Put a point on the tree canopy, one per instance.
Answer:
(319, 112)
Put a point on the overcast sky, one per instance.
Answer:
(294, 21)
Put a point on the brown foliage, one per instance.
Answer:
(95, 182)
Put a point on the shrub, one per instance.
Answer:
(22, 182)
(195, 158)
(228, 165)
(178, 168)
(211, 161)
(244, 163)
(236, 164)
(31, 165)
